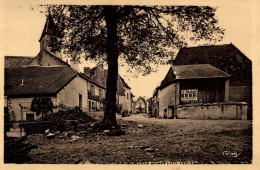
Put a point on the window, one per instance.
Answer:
(80, 100)
(92, 89)
(127, 96)
(93, 108)
(89, 105)
(100, 92)
(29, 117)
(48, 64)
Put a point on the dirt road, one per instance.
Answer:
(152, 140)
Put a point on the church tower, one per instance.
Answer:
(50, 30)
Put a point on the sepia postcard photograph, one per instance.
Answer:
(135, 84)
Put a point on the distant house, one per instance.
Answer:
(155, 103)
(97, 74)
(198, 91)
(124, 95)
(96, 96)
(149, 105)
(140, 105)
(227, 58)
(133, 106)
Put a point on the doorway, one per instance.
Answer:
(171, 112)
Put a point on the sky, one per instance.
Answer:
(23, 25)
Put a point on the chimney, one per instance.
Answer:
(87, 71)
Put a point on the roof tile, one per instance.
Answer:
(197, 71)
(36, 80)
(227, 58)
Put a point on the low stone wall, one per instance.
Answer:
(232, 110)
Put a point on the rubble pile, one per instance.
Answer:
(71, 114)
(70, 119)
(69, 135)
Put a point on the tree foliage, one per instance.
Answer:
(146, 34)
(41, 105)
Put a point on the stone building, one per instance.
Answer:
(60, 83)
(149, 105)
(198, 91)
(124, 95)
(229, 59)
(155, 103)
(48, 75)
(140, 105)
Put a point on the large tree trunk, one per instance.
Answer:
(109, 120)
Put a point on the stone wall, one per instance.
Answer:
(230, 111)
(242, 94)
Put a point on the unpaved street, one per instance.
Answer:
(153, 140)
